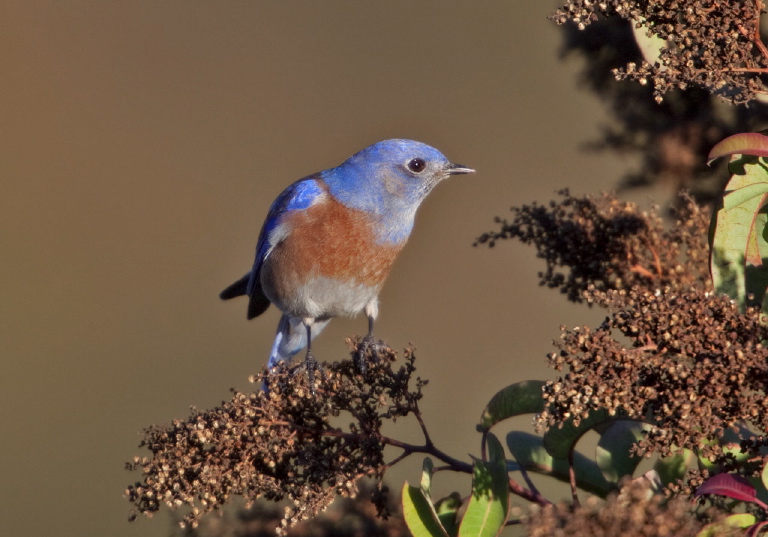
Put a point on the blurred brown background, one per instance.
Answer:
(141, 146)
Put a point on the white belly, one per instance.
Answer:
(323, 297)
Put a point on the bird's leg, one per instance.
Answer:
(310, 362)
(363, 346)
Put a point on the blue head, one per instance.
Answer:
(389, 180)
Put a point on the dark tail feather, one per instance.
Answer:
(239, 288)
(258, 302)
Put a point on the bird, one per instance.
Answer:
(329, 241)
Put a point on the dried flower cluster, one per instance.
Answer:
(280, 444)
(608, 244)
(634, 512)
(714, 44)
(670, 140)
(694, 366)
(670, 352)
(347, 517)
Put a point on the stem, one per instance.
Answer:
(531, 496)
(572, 477)
(430, 449)
(528, 480)
(417, 413)
(408, 449)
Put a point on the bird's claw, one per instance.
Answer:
(311, 365)
(366, 344)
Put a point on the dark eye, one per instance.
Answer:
(417, 165)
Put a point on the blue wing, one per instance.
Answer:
(300, 195)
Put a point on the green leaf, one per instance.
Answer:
(670, 469)
(528, 450)
(745, 143)
(445, 509)
(762, 493)
(613, 455)
(427, 469)
(739, 241)
(496, 455)
(514, 400)
(730, 442)
(764, 308)
(513, 466)
(447, 512)
(489, 505)
(649, 45)
(730, 525)
(764, 476)
(419, 513)
(744, 195)
(561, 440)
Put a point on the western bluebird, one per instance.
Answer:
(329, 241)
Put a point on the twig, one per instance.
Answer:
(531, 496)
(572, 478)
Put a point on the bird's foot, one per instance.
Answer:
(367, 346)
(312, 366)
(278, 373)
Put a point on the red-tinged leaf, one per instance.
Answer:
(746, 143)
(730, 485)
(755, 529)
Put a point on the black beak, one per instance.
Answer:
(458, 169)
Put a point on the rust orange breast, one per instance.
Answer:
(331, 240)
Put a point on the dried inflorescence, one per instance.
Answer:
(671, 352)
(347, 517)
(609, 244)
(635, 511)
(670, 140)
(714, 44)
(690, 363)
(280, 444)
